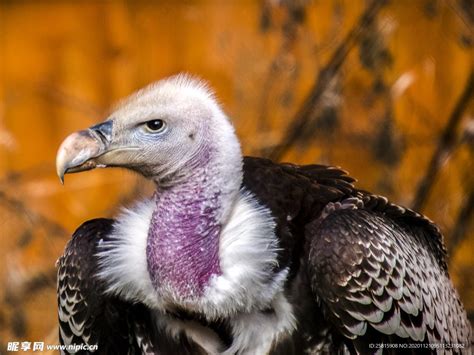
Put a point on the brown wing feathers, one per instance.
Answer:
(376, 271)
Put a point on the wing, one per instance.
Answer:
(378, 271)
(294, 194)
(293, 190)
(86, 315)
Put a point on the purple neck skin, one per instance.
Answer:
(183, 239)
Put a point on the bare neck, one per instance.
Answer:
(183, 239)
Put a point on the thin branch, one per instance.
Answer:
(59, 96)
(35, 283)
(326, 76)
(295, 12)
(445, 145)
(35, 218)
(13, 177)
(462, 223)
(470, 316)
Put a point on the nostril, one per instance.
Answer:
(103, 130)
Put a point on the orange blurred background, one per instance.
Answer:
(382, 91)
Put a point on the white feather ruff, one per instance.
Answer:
(248, 255)
(122, 259)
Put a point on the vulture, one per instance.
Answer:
(243, 255)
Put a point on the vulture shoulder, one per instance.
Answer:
(86, 314)
(377, 270)
(380, 275)
(293, 191)
(295, 195)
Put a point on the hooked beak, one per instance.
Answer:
(82, 150)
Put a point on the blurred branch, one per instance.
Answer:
(462, 223)
(16, 294)
(445, 145)
(325, 78)
(15, 176)
(466, 211)
(470, 315)
(34, 217)
(464, 9)
(21, 287)
(33, 284)
(295, 12)
(58, 96)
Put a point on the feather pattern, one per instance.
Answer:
(410, 293)
(86, 315)
(351, 269)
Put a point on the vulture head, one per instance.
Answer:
(174, 133)
(164, 132)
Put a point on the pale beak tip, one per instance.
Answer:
(60, 171)
(61, 165)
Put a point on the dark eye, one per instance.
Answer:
(155, 125)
